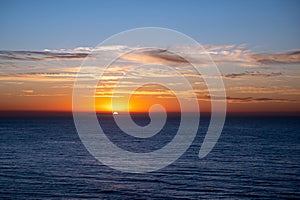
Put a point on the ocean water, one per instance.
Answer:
(255, 157)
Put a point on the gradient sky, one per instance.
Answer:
(36, 25)
(254, 43)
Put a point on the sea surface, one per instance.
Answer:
(255, 158)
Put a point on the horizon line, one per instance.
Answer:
(56, 113)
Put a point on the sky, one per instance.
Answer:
(255, 44)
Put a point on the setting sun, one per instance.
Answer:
(105, 105)
(140, 101)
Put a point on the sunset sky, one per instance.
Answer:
(255, 45)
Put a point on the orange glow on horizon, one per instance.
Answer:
(105, 105)
(137, 103)
(140, 101)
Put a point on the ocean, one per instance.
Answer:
(255, 158)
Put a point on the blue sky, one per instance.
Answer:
(37, 25)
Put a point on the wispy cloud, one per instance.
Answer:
(42, 95)
(88, 49)
(37, 77)
(220, 54)
(254, 100)
(161, 56)
(27, 91)
(255, 73)
(57, 54)
(289, 57)
(248, 99)
(39, 55)
(22, 69)
(282, 90)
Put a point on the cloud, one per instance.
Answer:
(19, 67)
(275, 58)
(220, 54)
(255, 100)
(42, 74)
(246, 99)
(39, 55)
(88, 49)
(37, 77)
(11, 82)
(155, 56)
(41, 95)
(27, 91)
(255, 73)
(282, 90)
(240, 54)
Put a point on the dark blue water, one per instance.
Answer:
(254, 158)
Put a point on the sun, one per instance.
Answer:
(140, 101)
(105, 105)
